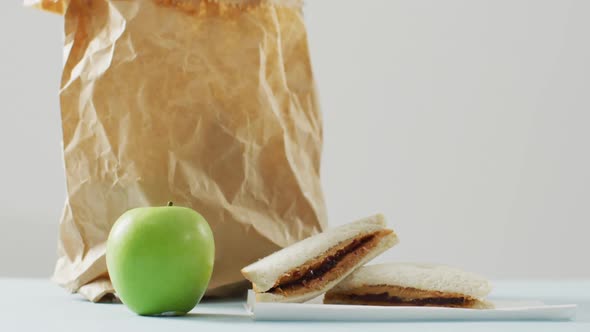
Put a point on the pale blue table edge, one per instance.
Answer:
(39, 305)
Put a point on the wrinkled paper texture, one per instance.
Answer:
(211, 105)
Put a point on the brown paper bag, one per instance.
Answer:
(210, 104)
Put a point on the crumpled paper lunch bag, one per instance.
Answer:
(209, 104)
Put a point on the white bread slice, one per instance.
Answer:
(426, 277)
(264, 273)
(386, 242)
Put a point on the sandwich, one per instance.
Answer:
(407, 284)
(310, 267)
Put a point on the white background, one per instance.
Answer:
(465, 122)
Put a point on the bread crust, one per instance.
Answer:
(265, 272)
(308, 293)
(422, 276)
(348, 261)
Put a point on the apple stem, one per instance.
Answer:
(170, 204)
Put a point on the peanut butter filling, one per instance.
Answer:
(317, 272)
(399, 296)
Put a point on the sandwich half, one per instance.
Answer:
(407, 284)
(310, 267)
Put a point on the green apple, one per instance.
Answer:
(160, 259)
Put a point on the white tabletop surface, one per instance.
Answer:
(39, 305)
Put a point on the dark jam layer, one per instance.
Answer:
(385, 298)
(316, 272)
